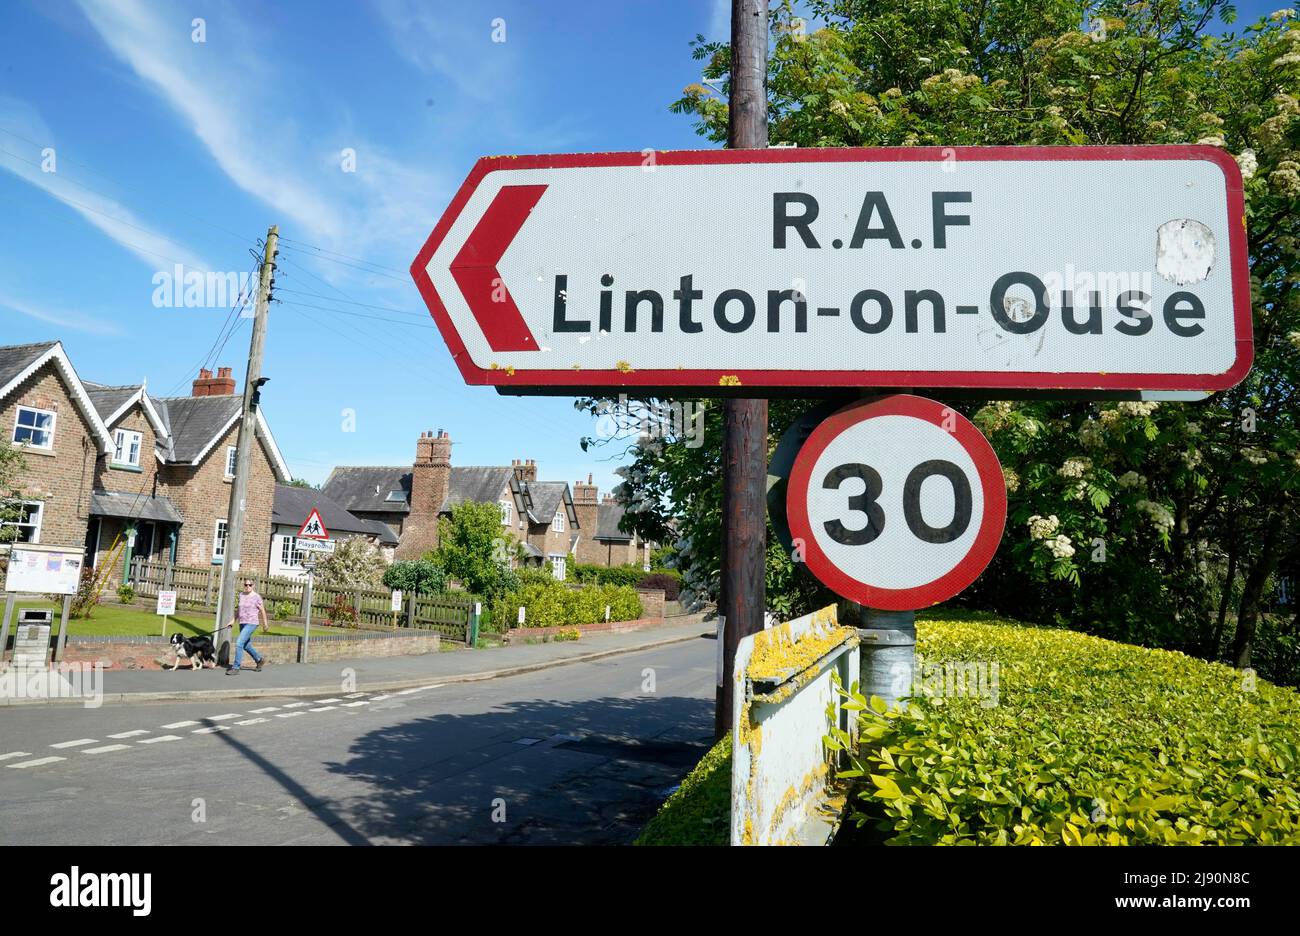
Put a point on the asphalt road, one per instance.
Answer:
(582, 753)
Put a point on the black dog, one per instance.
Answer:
(198, 650)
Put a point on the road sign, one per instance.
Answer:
(314, 527)
(315, 546)
(1051, 268)
(397, 600)
(897, 503)
(166, 603)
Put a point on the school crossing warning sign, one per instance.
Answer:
(314, 527)
(1049, 268)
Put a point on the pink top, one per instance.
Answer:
(249, 605)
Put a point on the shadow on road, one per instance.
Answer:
(538, 771)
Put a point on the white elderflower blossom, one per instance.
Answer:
(1060, 546)
(1041, 528)
(1074, 467)
(1091, 435)
(1131, 479)
(1161, 518)
(1192, 458)
(1248, 163)
(1134, 408)
(1254, 456)
(1294, 338)
(1012, 479)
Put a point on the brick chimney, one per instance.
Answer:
(607, 499)
(525, 470)
(430, 483)
(221, 385)
(586, 507)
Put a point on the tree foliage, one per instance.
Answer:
(1160, 523)
(474, 548)
(355, 563)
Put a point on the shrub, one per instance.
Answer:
(568, 634)
(552, 604)
(342, 612)
(670, 582)
(418, 576)
(1091, 742)
(125, 594)
(699, 811)
(607, 575)
(284, 610)
(355, 563)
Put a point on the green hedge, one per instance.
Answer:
(552, 604)
(1092, 742)
(607, 575)
(1157, 746)
(699, 812)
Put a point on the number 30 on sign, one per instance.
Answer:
(898, 502)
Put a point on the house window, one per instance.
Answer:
(507, 512)
(231, 453)
(558, 523)
(557, 567)
(219, 542)
(396, 496)
(290, 557)
(34, 427)
(126, 448)
(27, 523)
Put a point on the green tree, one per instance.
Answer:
(355, 563)
(418, 576)
(12, 464)
(474, 548)
(1146, 522)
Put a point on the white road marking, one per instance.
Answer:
(106, 748)
(210, 729)
(409, 691)
(179, 724)
(263, 711)
(15, 754)
(436, 685)
(36, 763)
(223, 717)
(297, 704)
(324, 708)
(355, 704)
(252, 721)
(128, 734)
(166, 737)
(290, 714)
(78, 743)
(325, 701)
(355, 695)
(380, 698)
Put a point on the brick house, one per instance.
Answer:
(293, 505)
(540, 515)
(104, 459)
(604, 543)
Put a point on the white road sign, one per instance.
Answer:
(314, 546)
(897, 503)
(1085, 268)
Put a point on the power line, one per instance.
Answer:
(375, 318)
(364, 305)
(322, 250)
(400, 279)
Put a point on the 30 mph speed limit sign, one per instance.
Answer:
(897, 503)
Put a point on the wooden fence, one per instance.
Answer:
(196, 589)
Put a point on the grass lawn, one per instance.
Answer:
(119, 620)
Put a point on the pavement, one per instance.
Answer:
(375, 674)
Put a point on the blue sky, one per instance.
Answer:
(167, 150)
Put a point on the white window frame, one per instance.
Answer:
(290, 556)
(507, 512)
(35, 527)
(219, 535)
(558, 523)
(232, 456)
(120, 436)
(54, 418)
(558, 567)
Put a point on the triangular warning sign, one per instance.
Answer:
(314, 528)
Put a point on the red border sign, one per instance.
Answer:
(992, 484)
(324, 534)
(495, 230)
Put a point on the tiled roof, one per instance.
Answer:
(366, 487)
(607, 520)
(15, 359)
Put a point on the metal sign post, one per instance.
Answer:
(309, 565)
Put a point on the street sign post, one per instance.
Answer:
(896, 503)
(1087, 269)
(166, 606)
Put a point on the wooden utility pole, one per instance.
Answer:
(230, 570)
(744, 446)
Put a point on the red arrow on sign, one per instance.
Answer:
(475, 269)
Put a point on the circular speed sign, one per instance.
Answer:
(896, 503)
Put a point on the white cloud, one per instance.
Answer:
(60, 317)
(24, 160)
